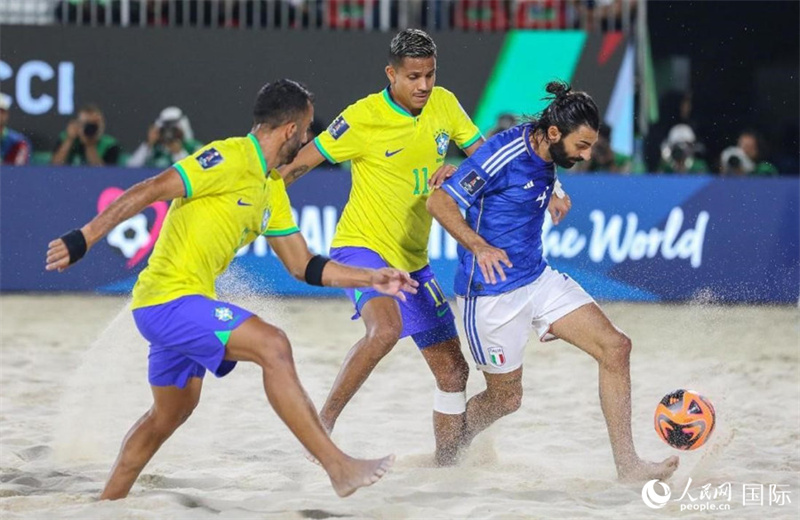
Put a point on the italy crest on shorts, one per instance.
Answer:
(442, 139)
(496, 356)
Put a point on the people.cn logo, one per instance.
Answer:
(650, 496)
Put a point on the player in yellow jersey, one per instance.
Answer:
(397, 139)
(223, 197)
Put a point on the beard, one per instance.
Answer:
(559, 155)
(290, 149)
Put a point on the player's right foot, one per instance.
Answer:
(642, 470)
(356, 473)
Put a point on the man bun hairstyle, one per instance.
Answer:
(411, 43)
(568, 109)
(280, 102)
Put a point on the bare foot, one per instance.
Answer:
(357, 473)
(642, 470)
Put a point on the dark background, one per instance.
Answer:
(743, 58)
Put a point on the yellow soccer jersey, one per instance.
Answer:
(230, 200)
(393, 154)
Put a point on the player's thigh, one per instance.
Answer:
(497, 329)
(257, 341)
(587, 327)
(175, 404)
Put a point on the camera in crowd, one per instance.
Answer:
(90, 129)
(169, 125)
(734, 161)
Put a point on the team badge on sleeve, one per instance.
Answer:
(209, 158)
(472, 182)
(338, 127)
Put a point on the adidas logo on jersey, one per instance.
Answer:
(528, 186)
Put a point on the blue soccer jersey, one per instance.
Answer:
(504, 188)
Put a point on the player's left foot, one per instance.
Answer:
(642, 470)
(357, 473)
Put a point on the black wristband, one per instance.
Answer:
(314, 269)
(76, 245)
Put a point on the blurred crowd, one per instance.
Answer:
(87, 142)
(672, 147)
(373, 14)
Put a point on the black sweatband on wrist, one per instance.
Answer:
(76, 245)
(314, 269)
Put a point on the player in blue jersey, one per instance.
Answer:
(504, 284)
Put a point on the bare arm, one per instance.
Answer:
(445, 210)
(92, 154)
(293, 252)
(307, 159)
(474, 146)
(164, 186)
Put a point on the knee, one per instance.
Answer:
(510, 401)
(452, 376)
(164, 423)
(616, 351)
(382, 338)
(276, 351)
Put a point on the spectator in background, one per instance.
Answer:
(604, 158)
(15, 148)
(85, 141)
(504, 122)
(674, 108)
(751, 144)
(169, 140)
(679, 152)
(734, 161)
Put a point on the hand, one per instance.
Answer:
(393, 282)
(444, 172)
(489, 260)
(153, 135)
(73, 129)
(559, 208)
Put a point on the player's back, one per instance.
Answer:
(225, 207)
(505, 188)
(393, 155)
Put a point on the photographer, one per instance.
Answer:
(169, 140)
(679, 152)
(85, 141)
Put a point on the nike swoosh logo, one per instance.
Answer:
(389, 154)
(242, 203)
(441, 312)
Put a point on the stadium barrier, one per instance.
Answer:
(650, 238)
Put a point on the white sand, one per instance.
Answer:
(73, 379)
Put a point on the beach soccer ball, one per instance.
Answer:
(685, 419)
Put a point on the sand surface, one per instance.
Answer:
(73, 379)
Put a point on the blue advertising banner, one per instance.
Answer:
(651, 238)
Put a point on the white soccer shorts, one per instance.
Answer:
(498, 327)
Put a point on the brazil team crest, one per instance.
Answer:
(442, 139)
(223, 313)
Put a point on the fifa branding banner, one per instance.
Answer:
(656, 238)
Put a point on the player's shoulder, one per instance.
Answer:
(441, 98)
(225, 152)
(365, 107)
